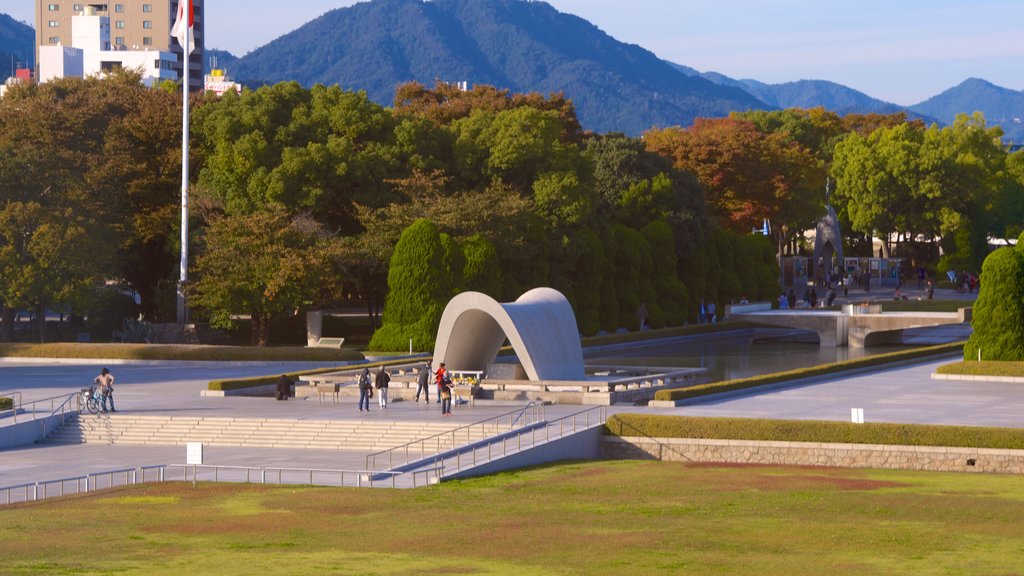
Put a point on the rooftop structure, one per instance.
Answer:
(132, 25)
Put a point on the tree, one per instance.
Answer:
(419, 287)
(747, 175)
(999, 311)
(47, 257)
(262, 264)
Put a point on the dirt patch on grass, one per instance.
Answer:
(804, 477)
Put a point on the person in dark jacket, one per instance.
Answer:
(284, 387)
(365, 390)
(383, 378)
(423, 383)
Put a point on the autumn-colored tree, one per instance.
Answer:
(446, 103)
(747, 175)
(262, 264)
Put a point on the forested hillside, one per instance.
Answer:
(522, 46)
(17, 45)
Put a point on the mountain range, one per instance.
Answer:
(528, 46)
(17, 45)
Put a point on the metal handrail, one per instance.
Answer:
(14, 403)
(371, 459)
(64, 400)
(477, 449)
(34, 491)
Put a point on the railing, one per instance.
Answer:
(57, 404)
(498, 447)
(312, 476)
(34, 491)
(439, 443)
(106, 480)
(14, 404)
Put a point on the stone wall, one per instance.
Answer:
(932, 458)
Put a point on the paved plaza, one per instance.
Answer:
(905, 394)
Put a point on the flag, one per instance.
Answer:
(181, 27)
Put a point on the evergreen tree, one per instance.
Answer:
(999, 310)
(419, 287)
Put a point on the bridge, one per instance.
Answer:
(856, 326)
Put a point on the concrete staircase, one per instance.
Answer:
(251, 432)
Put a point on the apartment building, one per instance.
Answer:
(134, 25)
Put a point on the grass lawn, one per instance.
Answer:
(984, 368)
(635, 517)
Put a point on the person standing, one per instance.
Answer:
(105, 381)
(641, 316)
(446, 394)
(284, 387)
(439, 377)
(383, 378)
(423, 383)
(364, 390)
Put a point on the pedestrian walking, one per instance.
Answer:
(365, 390)
(383, 378)
(423, 383)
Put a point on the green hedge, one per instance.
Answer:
(984, 368)
(242, 383)
(6, 403)
(674, 394)
(176, 352)
(814, 431)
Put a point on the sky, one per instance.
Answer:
(901, 51)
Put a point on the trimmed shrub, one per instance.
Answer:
(587, 283)
(999, 311)
(671, 295)
(200, 352)
(6, 403)
(419, 287)
(627, 250)
(654, 426)
(482, 269)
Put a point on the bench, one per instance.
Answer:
(330, 342)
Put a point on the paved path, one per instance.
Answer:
(904, 394)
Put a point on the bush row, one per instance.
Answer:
(674, 394)
(226, 384)
(814, 431)
(984, 368)
(6, 403)
(176, 352)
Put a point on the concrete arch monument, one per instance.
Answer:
(540, 325)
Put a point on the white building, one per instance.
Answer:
(91, 55)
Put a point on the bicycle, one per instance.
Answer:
(90, 399)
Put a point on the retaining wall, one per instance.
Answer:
(931, 458)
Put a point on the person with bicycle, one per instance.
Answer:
(106, 383)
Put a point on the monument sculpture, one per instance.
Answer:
(540, 326)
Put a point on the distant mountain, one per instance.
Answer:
(519, 45)
(1000, 105)
(17, 42)
(803, 94)
(216, 58)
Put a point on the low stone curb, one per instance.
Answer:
(977, 378)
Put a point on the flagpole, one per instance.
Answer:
(183, 273)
